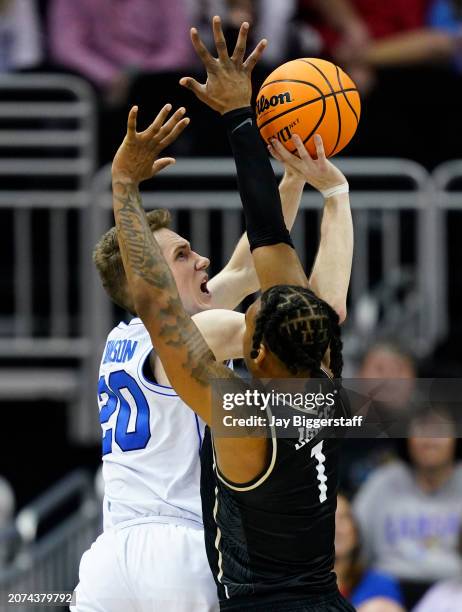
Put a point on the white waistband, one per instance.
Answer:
(163, 520)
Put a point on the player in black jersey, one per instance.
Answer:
(268, 504)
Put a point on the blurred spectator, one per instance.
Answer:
(410, 512)
(393, 50)
(363, 35)
(110, 42)
(239, 11)
(202, 11)
(274, 22)
(342, 24)
(20, 35)
(385, 360)
(350, 25)
(388, 360)
(367, 590)
(445, 596)
(270, 19)
(446, 15)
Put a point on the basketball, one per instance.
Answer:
(309, 96)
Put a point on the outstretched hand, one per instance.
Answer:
(320, 173)
(137, 156)
(228, 83)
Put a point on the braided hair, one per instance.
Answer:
(298, 327)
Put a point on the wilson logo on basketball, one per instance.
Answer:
(263, 104)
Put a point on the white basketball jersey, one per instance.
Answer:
(151, 439)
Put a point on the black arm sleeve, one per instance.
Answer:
(257, 183)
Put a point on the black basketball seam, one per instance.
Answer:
(291, 81)
(345, 96)
(318, 123)
(322, 96)
(315, 127)
(336, 102)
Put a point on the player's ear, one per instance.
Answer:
(261, 355)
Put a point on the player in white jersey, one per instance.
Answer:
(145, 427)
(151, 555)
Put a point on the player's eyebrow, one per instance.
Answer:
(182, 245)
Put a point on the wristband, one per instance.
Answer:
(338, 190)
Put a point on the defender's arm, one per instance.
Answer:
(228, 90)
(276, 261)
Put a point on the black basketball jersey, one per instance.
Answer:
(273, 539)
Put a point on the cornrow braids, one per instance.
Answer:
(298, 327)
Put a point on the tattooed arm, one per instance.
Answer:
(188, 361)
(186, 357)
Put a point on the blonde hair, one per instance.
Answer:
(108, 260)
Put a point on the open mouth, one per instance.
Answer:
(204, 288)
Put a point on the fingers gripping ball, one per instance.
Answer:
(309, 96)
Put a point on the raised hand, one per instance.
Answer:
(228, 83)
(320, 173)
(137, 156)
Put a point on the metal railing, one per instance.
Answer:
(50, 563)
(447, 179)
(47, 162)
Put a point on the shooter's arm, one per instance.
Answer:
(238, 279)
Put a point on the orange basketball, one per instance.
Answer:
(309, 96)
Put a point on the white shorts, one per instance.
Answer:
(147, 566)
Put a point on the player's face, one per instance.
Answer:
(250, 318)
(345, 530)
(189, 270)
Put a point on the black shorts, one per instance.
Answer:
(331, 602)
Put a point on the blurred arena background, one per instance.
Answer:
(69, 71)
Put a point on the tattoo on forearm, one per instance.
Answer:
(144, 259)
(138, 243)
